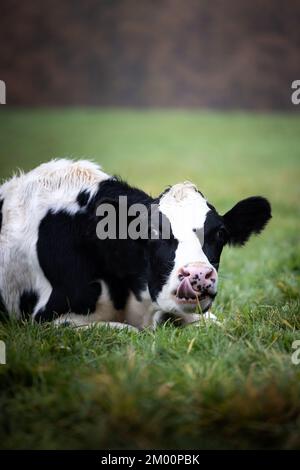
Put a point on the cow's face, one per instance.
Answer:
(183, 268)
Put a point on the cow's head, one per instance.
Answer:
(183, 268)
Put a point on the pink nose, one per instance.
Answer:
(197, 278)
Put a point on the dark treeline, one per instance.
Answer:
(199, 53)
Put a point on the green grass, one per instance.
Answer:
(228, 386)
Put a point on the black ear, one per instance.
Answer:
(247, 217)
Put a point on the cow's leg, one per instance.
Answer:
(196, 319)
(87, 321)
(139, 313)
(210, 317)
(161, 318)
(183, 319)
(82, 301)
(108, 324)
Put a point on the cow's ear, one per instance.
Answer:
(247, 217)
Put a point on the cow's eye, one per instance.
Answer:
(221, 235)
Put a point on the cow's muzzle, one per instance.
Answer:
(197, 281)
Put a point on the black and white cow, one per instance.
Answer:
(53, 267)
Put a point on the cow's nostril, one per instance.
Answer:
(209, 274)
(183, 272)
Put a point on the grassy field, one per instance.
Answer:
(211, 386)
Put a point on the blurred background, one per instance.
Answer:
(145, 53)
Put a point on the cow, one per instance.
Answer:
(55, 268)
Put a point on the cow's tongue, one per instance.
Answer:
(185, 290)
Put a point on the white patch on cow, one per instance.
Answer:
(105, 310)
(139, 313)
(27, 199)
(186, 210)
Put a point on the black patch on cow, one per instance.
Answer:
(247, 217)
(215, 236)
(1, 218)
(69, 264)
(28, 301)
(123, 262)
(83, 198)
(112, 188)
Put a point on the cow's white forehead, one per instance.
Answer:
(185, 208)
